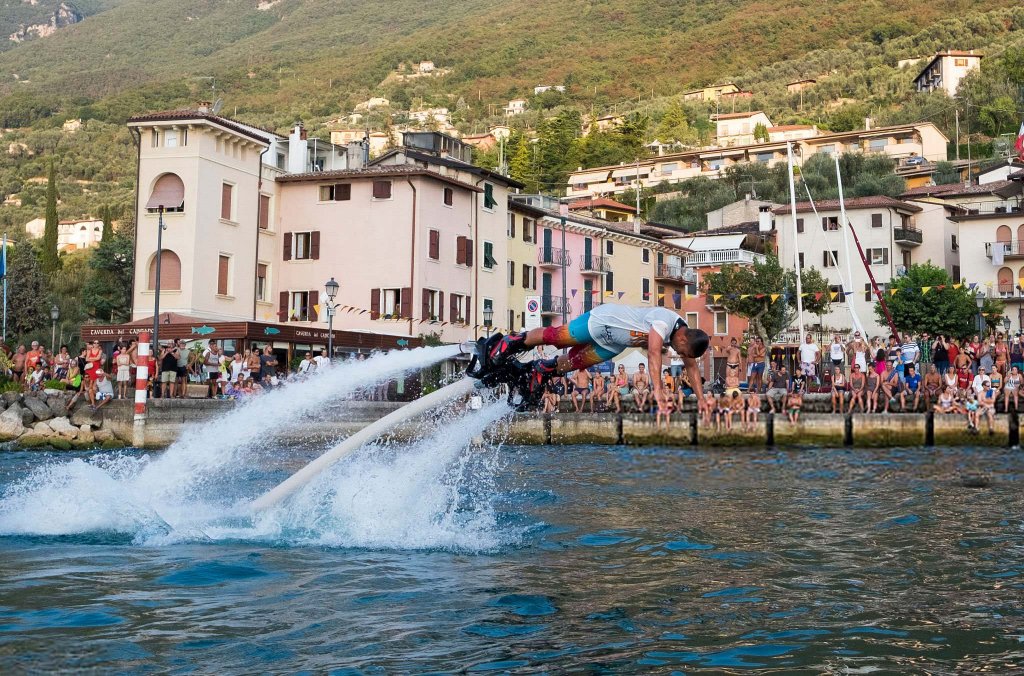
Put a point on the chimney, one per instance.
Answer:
(746, 197)
(867, 123)
(636, 225)
(203, 106)
(300, 129)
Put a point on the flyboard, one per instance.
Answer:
(480, 374)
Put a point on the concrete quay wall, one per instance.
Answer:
(168, 419)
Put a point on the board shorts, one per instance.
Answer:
(757, 367)
(579, 329)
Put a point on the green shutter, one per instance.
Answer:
(489, 201)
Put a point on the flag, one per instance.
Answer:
(892, 292)
(1019, 145)
(621, 294)
(3, 259)
(744, 296)
(609, 293)
(925, 290)
(574, 293)
(834, 295)
(716, 296)
(818, 295)
(316, 308)
(957, 286)
(972, 286)
(775, 297)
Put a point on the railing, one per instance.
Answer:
(1012, 249)
(1005, 289)
(907, 234)
(720, 256)
(676, 273)
(597, 264)
(554, 305)
(991, 207)
(547, 255)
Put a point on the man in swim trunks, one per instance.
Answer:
(732, 363)
(605, 332)
(581, 388)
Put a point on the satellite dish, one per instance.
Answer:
(901, 270)
(218, 104)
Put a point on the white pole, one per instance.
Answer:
(356, 441)
(849, 249)
(796, 246)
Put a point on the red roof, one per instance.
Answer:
(598, 202)
(873, 202)
(790, 127)
(736, 116)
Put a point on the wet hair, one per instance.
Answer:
(698, 342)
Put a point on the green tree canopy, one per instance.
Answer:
(50, 260)
(945, 311)
(28, 307)
(767, 318)
(107, 293)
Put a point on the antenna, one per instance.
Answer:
(217, 105)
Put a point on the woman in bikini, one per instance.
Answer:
(949, 378)
(1002, 354)
(857, 386)
(600, 392)
(621, 387)
(946, 401)
(871, 386)
(1011, 390)
(838, 390)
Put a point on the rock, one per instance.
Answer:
(52, 393)
(83, 415)
(39, 408)
(33, 440)
(102, 436)
(85, 435)
(42, 429)
(11, 398)
(64, 428)
(113, 444)
(57, 405)
(27, 416)
(11, 426)
(60, 443)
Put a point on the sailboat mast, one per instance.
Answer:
(846, 245)
(796, 248)
(874, 284)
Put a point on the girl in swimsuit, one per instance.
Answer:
(838, 390)
(945, 403)
(1012, 388)
(615, 393)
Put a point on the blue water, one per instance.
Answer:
(597, 559)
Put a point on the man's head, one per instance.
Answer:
(910, 369)
(733, 342)
(690, 343)
(640, 366)
(100, 375)
(35, 344)
(807, 338)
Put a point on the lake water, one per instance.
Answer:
(596, 559)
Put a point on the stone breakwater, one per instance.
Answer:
(39, 421)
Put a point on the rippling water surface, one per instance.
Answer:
(598, 559)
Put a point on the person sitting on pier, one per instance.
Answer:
(872, 385)
(794, 402)
(891, 385)
(581, 389)
(1011, 391)
(946, 402)
(732, 380)
(599, 394)
(778, 385)
(986, 409)
(911, 385)
(753, 408)
(932, 386)
(856, 386)
(738, 406)
(601, 334)
(641, 388)
(838, 389)
(723, 413)
(664, 413)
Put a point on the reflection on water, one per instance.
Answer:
(627, 560)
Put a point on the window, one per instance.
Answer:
(799, 225)
(609, 281)
(264, 219)
(838, 289)
(170, 271)
(302, 245)
(529, 277)
(961, 63)
(829, 223)
(226, 192)
(298, 308)
(609, 247)
(171, 138)
(645, 290)
(458, 309)
(830, 149)
(529, 225)
(392, 305)
(830, 259)
(876, 220)
(489, 201)
(449, 197)
(382, 190)
(463, 251)
(511, 320)
(692, 320)
(154, 139)
(661, 295)
(223, 270)
(262, 288)
(511, 273)
(489, 261)
(646, 255)
(878, 256)
(956, 274)
(280, 161)
(169, 193)
(721, 323)
(801, 256)
(434, 245)
(432, 304)
(510, 230)
(877, 145)
(867, 292)
(668, 167)
(339, 192)
(765, 158)
(954, 244)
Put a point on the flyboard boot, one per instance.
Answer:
(492, 356)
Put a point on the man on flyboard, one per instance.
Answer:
(594, 337)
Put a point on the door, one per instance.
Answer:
(548, 255)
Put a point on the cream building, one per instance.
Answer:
(888, 233)
(72, 235)
(737, 129)
(945, 71)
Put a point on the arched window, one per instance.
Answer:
(1006, 281)
(1004, 234)
(168, 192)
(82, 228)
(170, 272)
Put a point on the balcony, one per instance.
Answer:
(723, 256)
(554, 305)
(550, 257)
(1006, 290)
(1011, 250)
(907, 236)
(675, 274)
(594, 265)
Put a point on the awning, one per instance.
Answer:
(169, 193)
(710, 243)
(589, 177)
(630, 171)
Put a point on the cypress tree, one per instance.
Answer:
(49, 259)
(108, 224)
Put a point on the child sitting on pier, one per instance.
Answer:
(665, 409)
(752, 410)
(794, 402)
(738, 407)
(722, 413)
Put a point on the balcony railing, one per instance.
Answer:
(1012, 249)
(594, 264)
(675, 273)
(1005, 290)
(907, 235)
(551, 257)
(554, 305)
(990, 208)
(721, 256)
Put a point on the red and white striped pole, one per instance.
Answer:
(142, 376)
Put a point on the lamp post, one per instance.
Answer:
(54, 316)
(156, 291)
(1006, 325)
(488, 320)
(980, 300)
(331, 287)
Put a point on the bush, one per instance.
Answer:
(10, 386)
(54, 385)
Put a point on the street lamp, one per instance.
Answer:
(331, 287)
(156, 292)
(1006, 324)
(489, 320)
(54, 315)
(980, 300)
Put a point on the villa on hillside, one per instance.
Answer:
(945, 71)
